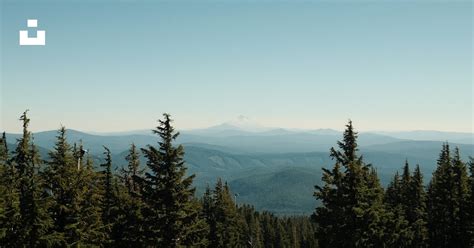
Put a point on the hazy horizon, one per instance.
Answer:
(252, 126)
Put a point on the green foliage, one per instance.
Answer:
(415, 209)
(9, 201)
(447, 202)
(470, 203)
(92, 231)
(74, 189)
(60, 179)
(251, 231)
(128, 228)
(222, 217)
(67, 202)
(352, 208)
(405, 200)
(108, 198)
(33, 220)
(132, 172)
(173, 213)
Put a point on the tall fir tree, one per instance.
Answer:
(393, 192)
(130, 205)
(9, 198)
(460, 201)
(351, 199)
(174, 215)
(60, 183)
(439, 201)
(470, 204)
(107, 179)
(415, 210)
(405, 182)
(405, 198)
(34, 219)
(92, 229)
(447, 193)
(3, 186)
(330, 217)
(3, 150)
(400, 235)
(224, 220)
(109, 199)
(133, 171)
(72, 185)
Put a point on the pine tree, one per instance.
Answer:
(3, 186)
(34, 220)
(268, 230)
(73, 186)
(282, 236)
(3, 150)
(108, 198)
(416, 209)
(132, 173)
(330, 217)
(470, 204)
(293, 231)
(460, 201)
(395, 218)
(393, 193)
(447, 193)
(224, 220)
(405, 198)
(251, 233)
(9, 202)
(174, 215)
(307, 238)
(207, 212)
(439, 201)
(351, 199)
(405, 182)
(92, 229)
(129, 203)
(60, 180)
(119, 236)
(110, 203)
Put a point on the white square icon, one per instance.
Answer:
(27, 40)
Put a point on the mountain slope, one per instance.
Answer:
(273, 170)
(286, 191)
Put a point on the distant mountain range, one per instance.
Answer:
(272, 168)
(455, 137)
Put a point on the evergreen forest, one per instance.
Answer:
(67, 199)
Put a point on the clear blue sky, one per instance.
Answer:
(111, 66)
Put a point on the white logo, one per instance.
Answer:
(39, 40)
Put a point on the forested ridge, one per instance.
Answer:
(67, 200)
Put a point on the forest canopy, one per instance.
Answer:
(67, 199)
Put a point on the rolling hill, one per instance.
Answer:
(275, 169)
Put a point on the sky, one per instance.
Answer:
(118, 65)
